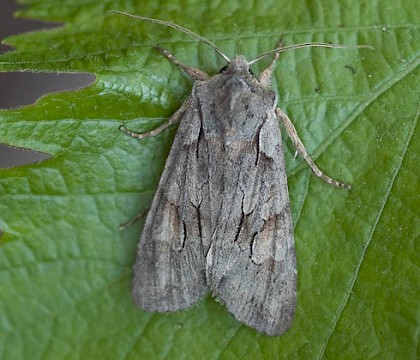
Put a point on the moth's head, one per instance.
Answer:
(238, 65)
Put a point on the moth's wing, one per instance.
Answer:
(169, 272)
(251, 264)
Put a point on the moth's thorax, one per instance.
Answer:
(236, 88)
(234, 105)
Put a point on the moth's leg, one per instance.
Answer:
(267, 73)
(194, 73)
(172, 120)
(133, 220)
(298, 144)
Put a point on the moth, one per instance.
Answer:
(220, 220)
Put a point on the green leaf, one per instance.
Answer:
(65, 266)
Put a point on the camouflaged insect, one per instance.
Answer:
(220, 220)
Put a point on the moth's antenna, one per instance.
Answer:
(177, 27)
(303, 45)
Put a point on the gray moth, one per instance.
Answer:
(220, 220)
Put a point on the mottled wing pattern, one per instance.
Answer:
(220, 219)
(169, 273)
(250, 265)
